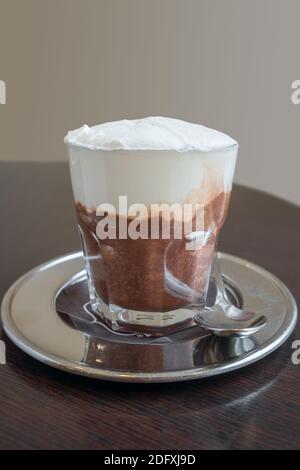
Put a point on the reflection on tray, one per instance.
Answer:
(189, 348)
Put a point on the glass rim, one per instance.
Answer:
(149, 150)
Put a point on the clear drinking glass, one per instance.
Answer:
(149, 223)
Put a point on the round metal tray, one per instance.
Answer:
(46, 314)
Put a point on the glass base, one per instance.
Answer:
(145, 323)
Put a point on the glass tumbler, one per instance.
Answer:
(149, 221)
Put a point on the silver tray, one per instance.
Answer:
(46, 314)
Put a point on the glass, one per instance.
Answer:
(149, 223)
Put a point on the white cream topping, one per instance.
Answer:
(150, 160)
(151, 133)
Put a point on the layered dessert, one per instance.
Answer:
(152, 161)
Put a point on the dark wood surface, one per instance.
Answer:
(257, 407)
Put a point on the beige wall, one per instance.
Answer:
(228, 64)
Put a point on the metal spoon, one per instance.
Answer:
(217, 321)
(225, 319)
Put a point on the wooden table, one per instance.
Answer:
(43, 408)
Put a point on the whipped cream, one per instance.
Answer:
(151, 160)
(151, 133)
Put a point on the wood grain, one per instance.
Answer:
(42, 408)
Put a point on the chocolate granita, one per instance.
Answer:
(146, 274)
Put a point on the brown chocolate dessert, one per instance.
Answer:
(154, 275)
